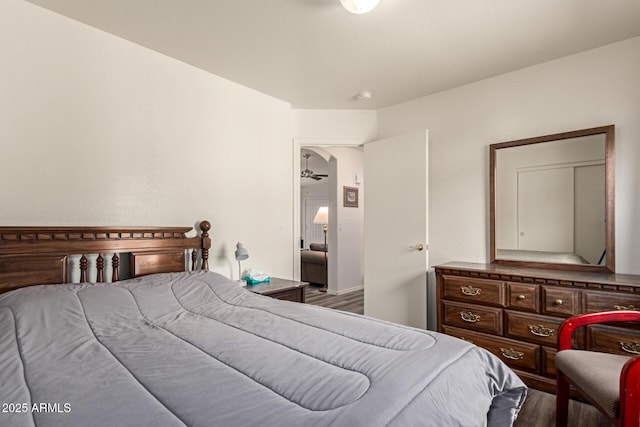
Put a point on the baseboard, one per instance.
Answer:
(345, 291)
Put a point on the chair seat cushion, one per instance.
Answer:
(597, 374)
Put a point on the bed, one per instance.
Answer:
(175, 345)
(540, 256)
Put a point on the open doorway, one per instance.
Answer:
(314, 203)
(343, 166)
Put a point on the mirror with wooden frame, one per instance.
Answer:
(552, 201)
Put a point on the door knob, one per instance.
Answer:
(419, 247)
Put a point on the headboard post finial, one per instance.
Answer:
(205, 226)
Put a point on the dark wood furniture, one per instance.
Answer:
(618, 375)
(41, 255)
(515, 312)
(289, 290)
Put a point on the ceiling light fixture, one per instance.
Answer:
(359, 6)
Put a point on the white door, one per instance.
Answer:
(545, 210)
(395, 223)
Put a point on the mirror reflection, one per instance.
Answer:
(550, 199)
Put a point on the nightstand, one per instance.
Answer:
(289, 290)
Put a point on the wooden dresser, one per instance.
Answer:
(515, 312)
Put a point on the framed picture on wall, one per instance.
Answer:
(350, 197)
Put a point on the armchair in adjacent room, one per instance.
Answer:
(611, 382)
(313, 264)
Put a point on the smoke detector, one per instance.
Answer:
(364, 96)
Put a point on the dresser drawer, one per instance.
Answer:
(602, 301)
(480, 291)
(479, 318)
(522, 296)
(548, 361)
(610, 339)
(514, 353)
(560, 301)
(531, 327)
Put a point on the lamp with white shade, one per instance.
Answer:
(241, 254)
(322, 218)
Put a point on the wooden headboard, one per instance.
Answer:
(40, 255)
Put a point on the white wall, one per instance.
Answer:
(337, 125)
(346, 228)
(589, 89)
(97, 130)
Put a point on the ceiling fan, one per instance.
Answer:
(307, 173)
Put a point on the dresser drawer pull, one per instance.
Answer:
(520, 297)
(630, 347)
(541, 331)
(512, 354)
(469, 317)
(470, 290)
(467, 340)
(558, 302)
(624, 307)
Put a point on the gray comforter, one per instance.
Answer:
(198, 350)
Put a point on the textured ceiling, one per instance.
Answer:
(315, 54)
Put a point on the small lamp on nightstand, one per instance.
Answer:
(322, 217)
(241, 255)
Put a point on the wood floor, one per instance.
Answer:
(539, 409)
(352, 302)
